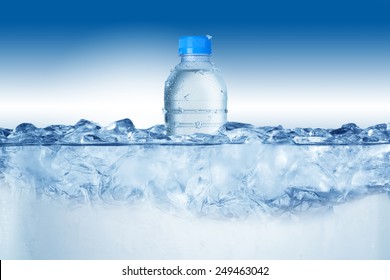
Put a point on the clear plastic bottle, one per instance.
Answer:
(195, 96)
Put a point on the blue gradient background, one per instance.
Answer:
(295, 63)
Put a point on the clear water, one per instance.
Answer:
(118, 192)
(195, 98)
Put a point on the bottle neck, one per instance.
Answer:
(195, 57)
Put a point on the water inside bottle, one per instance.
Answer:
(195, 102)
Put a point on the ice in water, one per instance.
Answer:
(246, 192)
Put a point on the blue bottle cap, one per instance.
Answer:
(195, 45)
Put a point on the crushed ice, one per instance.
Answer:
(123, 132)
(273, 170)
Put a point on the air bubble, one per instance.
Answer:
(198, 124)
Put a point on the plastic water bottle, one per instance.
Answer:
(195, 96)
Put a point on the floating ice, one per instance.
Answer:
(243, 171)
(123, 132)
